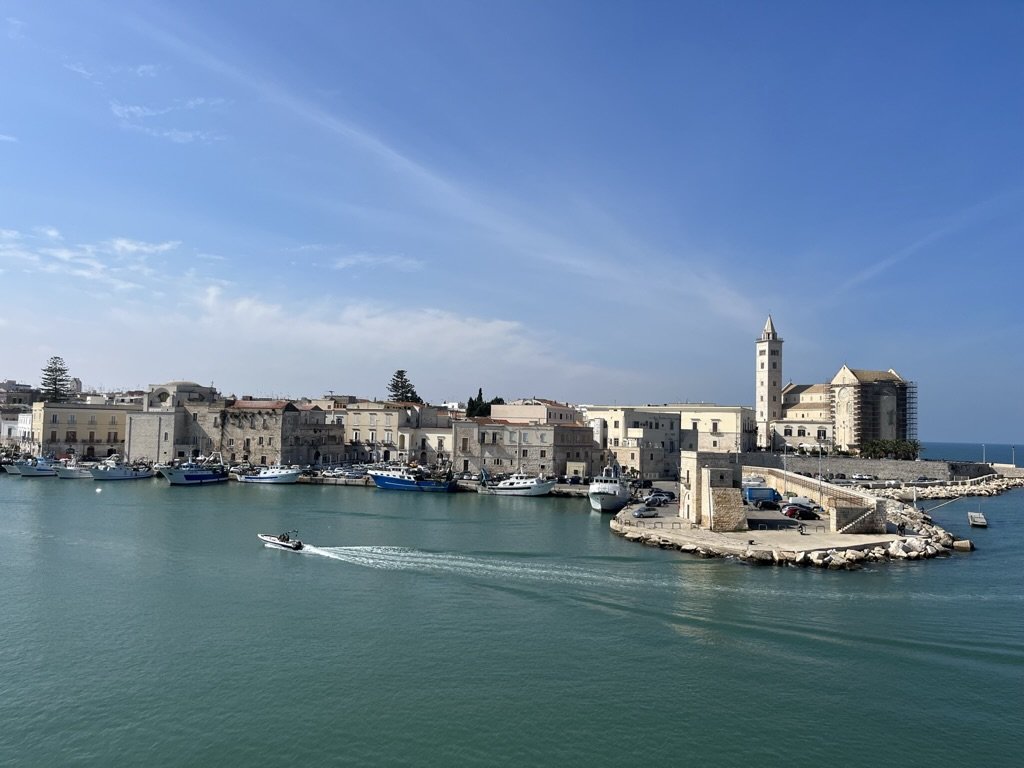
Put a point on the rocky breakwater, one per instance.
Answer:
(923, 539)
(991, 487)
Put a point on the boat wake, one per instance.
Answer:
(489, 568)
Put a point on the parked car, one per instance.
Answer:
(574, 480)
(645, 512)
(767, 504)
(799, 513)
(655, 501)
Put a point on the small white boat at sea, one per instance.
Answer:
(273, 475)
(609, 491)
(519, 484)
(281, 541)
(977, 520)
(114, 468)
(40, 466)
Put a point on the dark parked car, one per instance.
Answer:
(574, 480)
(767, 504)
(799, 513)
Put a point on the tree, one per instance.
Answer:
(401, 390)
(477, 406)
(55, 382)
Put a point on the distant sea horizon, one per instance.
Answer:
(993, 453)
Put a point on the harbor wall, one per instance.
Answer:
(885, 469)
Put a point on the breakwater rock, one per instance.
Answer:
(990, 487)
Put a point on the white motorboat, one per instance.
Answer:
(40, 466)
(113, 468)
(12, 468)
(281, 541)
(270, 475)
(519, 484)
(609, 491)
(198, 472)
(977, 520)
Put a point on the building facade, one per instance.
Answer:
(768, 400)
(502, 446)
(77, 429)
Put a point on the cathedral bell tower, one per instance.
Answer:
(768, 394)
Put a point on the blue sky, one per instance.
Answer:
(593, 202)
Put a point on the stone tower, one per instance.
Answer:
(768, 395)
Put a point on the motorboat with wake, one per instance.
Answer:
(282, 540)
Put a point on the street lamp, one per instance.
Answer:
(983, 454)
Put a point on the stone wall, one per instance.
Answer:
(871, 520)
(884, 469)
(728, 512)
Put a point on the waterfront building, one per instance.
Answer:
(768, 396)
(500, 445)
(381, 430)
(536, 410)
(13, 393)
(872, 405)
(645, 442)
(77, 429)
(9, 425)
(806, 417)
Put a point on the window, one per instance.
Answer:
(801, 432)
(71, 437)
(113, 420)
(373, 436)
(693, 425)
(762, 366)
(231, 442)
(616, 424)
(260, 441)
(543, 454)
(494, 437)
(54, 420)
(355, 436)
(774, 364)
(165, 436)
(53, 436)
(524, 453)
(71, 418)
(92, 419)
(195, 417)
(465, 444)
(788, 431)
(440, 444)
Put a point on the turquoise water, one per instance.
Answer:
(146, 625)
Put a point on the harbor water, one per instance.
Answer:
(146, 625)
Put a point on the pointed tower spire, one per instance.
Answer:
(769, 334)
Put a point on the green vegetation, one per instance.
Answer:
(55, 382)
(907, 450)
(476, 406)
(401, 390)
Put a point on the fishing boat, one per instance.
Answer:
(609, 491)
(40, 466)
(201, 471)
(411, 479)
(114, 468)
(977, 520)
(272, 475)
(73, 471)
(519, 484)
(281, 541)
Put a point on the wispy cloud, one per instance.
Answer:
(135, 117)
(15, 27)
(82, 70)
(135, 112)
(51, 233)
(8, 137)
(370, 261)
(122, 245)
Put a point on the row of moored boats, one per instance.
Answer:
(608, 492)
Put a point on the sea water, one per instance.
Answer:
(146, 625)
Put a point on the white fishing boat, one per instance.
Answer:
(201, 471)
(281, 541)
(519, 484)
(73, 471)
(977, 520)
(273, 475)
(114, 468)
(609, 491)
(40, 466)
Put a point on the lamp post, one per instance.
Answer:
(983, 454)
(785, 472)
(1013, 455)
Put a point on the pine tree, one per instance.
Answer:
(55, 382)
(401, 390)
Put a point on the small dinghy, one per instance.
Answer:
(281, 541)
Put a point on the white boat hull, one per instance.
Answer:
(608, 502)
(536, 489)
(272, 477)
(270, 540)
(73, 473)
(121, 473)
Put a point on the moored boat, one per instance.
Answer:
(113, 468)
(609, 491)
(519, 484)
(73, 471)
(40, 466)
(977, 520)
(273, 475)
(199, 472)
(281, 541)
(411, 479)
